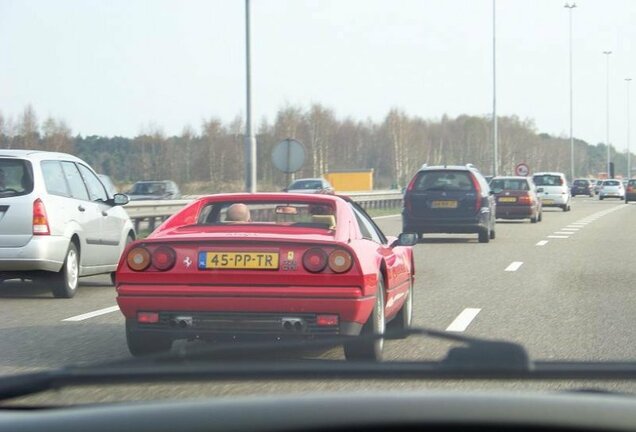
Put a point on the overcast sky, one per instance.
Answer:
(115, 67)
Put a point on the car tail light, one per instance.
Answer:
(326, 320)
(630, 188)
(163, 258)
(340, 261)
(138, 259)
(411, 184)
(477, 192)
(525, 200)
(40, 220)
(315, 260)
(147, 317)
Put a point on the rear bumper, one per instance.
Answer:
(612, 194)
(630, 196)
(515, 212)
(40, 253)
(219, 313)
(446, 225)
(554, 200)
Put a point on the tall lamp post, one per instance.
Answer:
(629, 151)
(495, 157)
(607, 112)
(571, 6)
(250, 140)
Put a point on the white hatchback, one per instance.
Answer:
(553, 189)
(57, 221)
(612, 189)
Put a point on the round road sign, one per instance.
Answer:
(288, 156)
(522, 169)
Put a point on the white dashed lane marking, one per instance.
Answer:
(542, 243)
(514, 266)
(463, 320)
(558, 236)
(92, 314)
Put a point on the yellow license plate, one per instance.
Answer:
(238, 260)
(508, 199)
(444, 204)
(545, 201)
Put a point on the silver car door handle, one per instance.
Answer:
(81, 208)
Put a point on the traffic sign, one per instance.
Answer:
(522, 170)
(288, 156)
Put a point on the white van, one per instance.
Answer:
(553, 189)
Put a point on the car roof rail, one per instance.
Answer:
(471, 166)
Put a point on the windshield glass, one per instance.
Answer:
(509, 184)
(451, 164)
(548, 180)
(306, 184)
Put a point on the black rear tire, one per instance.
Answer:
(484, 235)
(64, 283)
(372, 350)
(143, 344)
(404, 318)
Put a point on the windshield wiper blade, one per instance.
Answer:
(479, 360)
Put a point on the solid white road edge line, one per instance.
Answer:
(463, 320)
(386, 217)
(514, 266)
(92, 314)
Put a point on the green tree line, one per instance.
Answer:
(211, 159)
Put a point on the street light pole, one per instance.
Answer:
(249, 140)
(495, 157)
(629, 151)
(607, 112)
(570, 7)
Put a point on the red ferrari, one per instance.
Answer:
(266, 265)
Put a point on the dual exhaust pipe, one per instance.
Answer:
(289, 325)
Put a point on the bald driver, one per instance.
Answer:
(238, 213)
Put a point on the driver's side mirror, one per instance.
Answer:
(120, 199)
(406, 239)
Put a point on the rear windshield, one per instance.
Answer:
(581, 182)
(306, 184)
(611, 183)
(293, 214)
(444, 181)
(148, 188)
(16, 177)
(548, 180)
(509, 184)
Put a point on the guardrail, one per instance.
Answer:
(149, 213)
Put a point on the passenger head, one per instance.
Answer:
(238, 213)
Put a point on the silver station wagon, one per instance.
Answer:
(57, 221)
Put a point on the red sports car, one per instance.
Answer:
(266, 265)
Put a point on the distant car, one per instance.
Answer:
(154, 190)
(612, 189)
(449, 199)
(310, 185)
(488, 178)
(582, 187)
(553, 190)
(108, 183)
(597, 186)
(516, 198)
(57, 221)
(293, 266)
(630, 191)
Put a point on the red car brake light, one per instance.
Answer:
(525, 199)
(315, 260)
(40, 219)
(164, 258)
(477, 192)
(340, 261)
(138, 259)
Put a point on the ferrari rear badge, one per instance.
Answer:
(187, 262)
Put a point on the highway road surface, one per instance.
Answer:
(564, 288)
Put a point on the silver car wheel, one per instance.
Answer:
(72, 269)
